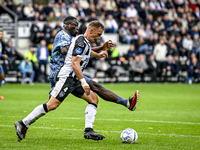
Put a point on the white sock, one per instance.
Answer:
(90, 114)
(34, 115)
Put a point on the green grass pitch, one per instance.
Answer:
(167, 117)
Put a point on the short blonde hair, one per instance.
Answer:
(96, 24)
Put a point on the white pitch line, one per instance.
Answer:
(129, 120)
(157, 134)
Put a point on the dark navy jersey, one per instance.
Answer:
(57, 58)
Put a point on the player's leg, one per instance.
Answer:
(90, 112)
(1, 79)
(112, 97)
(39, 111)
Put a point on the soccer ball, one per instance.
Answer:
(129, 136)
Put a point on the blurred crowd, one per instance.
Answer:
(163, 34)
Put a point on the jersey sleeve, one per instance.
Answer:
(79, 47)
(64, 40)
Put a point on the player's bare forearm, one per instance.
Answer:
(100, 55)
(64, 50)
(76, 67)
(105, 46)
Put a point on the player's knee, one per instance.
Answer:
(52, 106)
(95, 99)
(96, 87)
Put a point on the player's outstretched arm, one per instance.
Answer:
(109, 44)
(100, 55)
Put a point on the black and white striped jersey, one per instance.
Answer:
(80, 47)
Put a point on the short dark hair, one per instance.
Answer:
(69, 18)
(96, 24)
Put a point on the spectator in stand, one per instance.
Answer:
(111, 25)
(196, 13)
(29, 11)
(11, 53)
(144, 11)
(137, 68)
(193, 71)
(56, 10)
(102, 19)
(82, 28)
(51, 16)
(92, 17)
(160, 52)
(36, 34)
(148, 30)
(132, 52)
(158, 23)
(133, 31)
(116, 14)
(98, 10)
(125, 35)
(30, 54)
(196, 44)
(172, 14)
(42, 57)
(154, 4)
(2, 56)
(103, 65)
(84, 4)
(113, 53)
(72, 11)
(152, 68)
(184, 22)
(141, 32)
(64, 9)
(187, 45)
(48, 8)
(80, 10)
(40, 9)
(19, 12)
(110, 5)
(172, 50)
(47, 29)
(58, 26)
(131, 12)
(169, 70)
(51, 40)
(26, 69)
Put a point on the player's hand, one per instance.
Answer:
(103, 54)
(109, 44)
(85, 86)
(4, 56)
(87, 90)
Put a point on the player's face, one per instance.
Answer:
(72, 27)
(95, 34)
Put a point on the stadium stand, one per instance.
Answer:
(151, 21)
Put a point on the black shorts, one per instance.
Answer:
(65, 86)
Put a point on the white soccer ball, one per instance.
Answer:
(129, 136)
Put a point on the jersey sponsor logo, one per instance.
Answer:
(61, 94)
(81, 44)
(65, 89)
(78, 50)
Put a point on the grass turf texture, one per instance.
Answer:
(167, 117)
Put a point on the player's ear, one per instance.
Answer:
(91, 31)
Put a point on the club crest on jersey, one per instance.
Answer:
(81, 44)
(78, 50)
